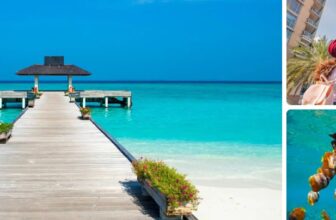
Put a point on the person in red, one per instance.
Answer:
(332, 48)
(326, 70)
(323, 91)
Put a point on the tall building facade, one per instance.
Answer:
(303, 17)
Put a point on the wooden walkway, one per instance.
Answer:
(57, 166)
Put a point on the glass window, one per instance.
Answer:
(291, 20)
(294, 5)
(289, 34)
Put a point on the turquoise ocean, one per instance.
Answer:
(219, 134)
(307, 141)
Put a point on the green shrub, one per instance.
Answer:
(39, 93)
(85, 110)
(177, 189)
(5, 127)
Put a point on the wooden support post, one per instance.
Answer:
(36, 82)
(129, 102)
(23, 102)
(83, 103)
(106, 102)
(0, 103)
(69, 83)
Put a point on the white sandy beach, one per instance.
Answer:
(239, 203)
(240, 191)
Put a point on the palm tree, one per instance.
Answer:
(301, 67)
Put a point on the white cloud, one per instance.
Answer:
(327, 25)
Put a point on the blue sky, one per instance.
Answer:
(327, 23)
(229, 40)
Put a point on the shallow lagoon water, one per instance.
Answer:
(219, 134)
(9, 115)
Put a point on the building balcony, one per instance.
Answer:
(319, 4)
(291, 24)
(316, 12)
(290, 28)
(307, 37)
(312, 24)
(308, 34)
(302, 43)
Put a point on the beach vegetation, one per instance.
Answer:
(302, 65)
(85, 110)
(37, 94)
(178, 191)
(5, 127)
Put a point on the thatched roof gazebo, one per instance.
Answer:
(53, 66)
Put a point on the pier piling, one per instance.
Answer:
(23, 103)
(106, 102)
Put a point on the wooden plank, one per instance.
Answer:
(57, 166)
(52, 215)
(105, 93)
(13, 94)
(118, 93)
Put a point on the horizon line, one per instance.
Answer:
(143, 81)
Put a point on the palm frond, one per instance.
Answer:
(301, 66)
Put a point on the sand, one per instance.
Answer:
(239, 203)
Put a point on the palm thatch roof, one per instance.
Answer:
(53, 66)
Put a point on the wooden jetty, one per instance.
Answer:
(13, 96)
(105, 97)
(57, 166)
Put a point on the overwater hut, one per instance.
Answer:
(53, 66)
